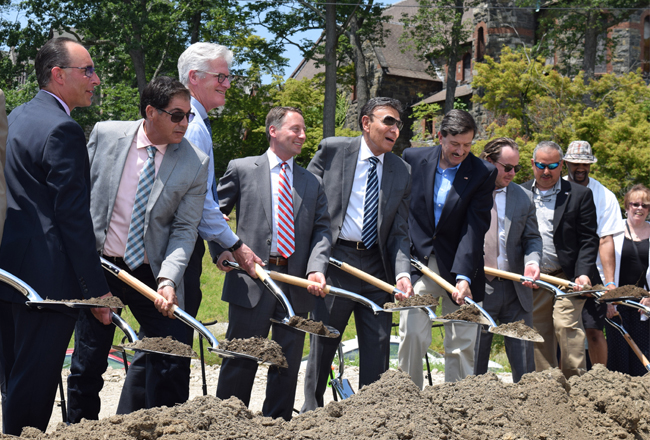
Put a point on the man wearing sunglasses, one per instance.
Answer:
(148, 185)
(578, 160)
(512, 244)
(566, 217)
(368, 189)
(448, 218)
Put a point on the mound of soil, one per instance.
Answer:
(601, 405)
(261, 348)
(518, 329)
(466, 312)
(625, 292)
(415, 300)
(162, 345)
(111, 301)
(309, 326)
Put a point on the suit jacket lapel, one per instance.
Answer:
(561, 201)
(347, 172)
(263, 185)
(385, 188)
(121, 151)
(461, 180)
(510, 212)
(298, 190)
(428, 167)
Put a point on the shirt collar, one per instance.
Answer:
(65, 106)
(142, 141)
(365, 153)
(199, 107)
(552, 191)
(275, 161)
(441, 171)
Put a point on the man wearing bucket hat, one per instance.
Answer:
(579, 158)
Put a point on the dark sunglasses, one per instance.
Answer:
(221, 77)
(178, 116)
(89, 71)
(550, 166)
(507, 167)
(390, 121)
(640, 205)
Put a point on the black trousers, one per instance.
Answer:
(192, 282)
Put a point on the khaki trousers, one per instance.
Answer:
(559, 322)
(415, 335)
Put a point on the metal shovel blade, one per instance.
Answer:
(333, 333)
(52, 304)
(511, 334)
(342, 388)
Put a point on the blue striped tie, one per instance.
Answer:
(371, 206)
(134, 252)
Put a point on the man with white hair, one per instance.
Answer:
(204, 69)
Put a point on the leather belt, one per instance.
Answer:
(115, 260)
(278, 260)
(358, 245)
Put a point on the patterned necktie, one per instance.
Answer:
(134, 252)
(492, 239)
(206, 121)
(371, 206)
(286, 244)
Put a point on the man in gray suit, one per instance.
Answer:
(282, 215)
(148, 184)
(513, 244)
(368, 192)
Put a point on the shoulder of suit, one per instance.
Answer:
(191, 147)
(412, 153)
(338, 141)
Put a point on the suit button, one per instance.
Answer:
(426, 257)
(268, 241)
(266, 262)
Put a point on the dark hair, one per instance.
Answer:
(53, 53)
(275, 118)
(457, 122)
(493, 148)
(159, 92)
(379, 101)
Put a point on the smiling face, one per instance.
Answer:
(77, 89)
(635, 210)
(509, 156)
(579, 172)
(286, 141)
(380, 137)
(454, 148)
(159, 127)
(206, 88)
(546, 179)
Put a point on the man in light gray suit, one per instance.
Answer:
(295, 241)
(148, 185)
(513, 244)
(368, 193)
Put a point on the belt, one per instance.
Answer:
(278, 260)
(115, 260)
(358, 245)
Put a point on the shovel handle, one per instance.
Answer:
(502, 274)
(296, 281)
(364, 276)
(434, 276)
(635, 348)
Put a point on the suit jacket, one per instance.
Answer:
(49, 234)
(175, 204)
(3, 151)
(335, 162)
(574, 230)
(457, 240)
(246, 185)
(523, 242)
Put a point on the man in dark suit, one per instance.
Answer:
(512, 244)
(48, 240)
(368, 190)
(449, 215)
(148, 184)
(566, 216)
(282, 215)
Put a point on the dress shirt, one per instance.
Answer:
(212, 227)
(118, 227)
(545, 205)
(500, 202)
(65, 106)
(275, 164)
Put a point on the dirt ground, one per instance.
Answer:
(599, 405)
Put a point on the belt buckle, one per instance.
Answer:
(362, 248)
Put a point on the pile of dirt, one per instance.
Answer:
(518, 329)
(110, 301)
(625, 292)
(167, 345)
(415, 300)
(315, 327)
(466, 312)
(262, 348)
(601, 405)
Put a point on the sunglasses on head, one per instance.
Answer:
(89, 71)
(178, 116)
(507, 167)
(550, 166)
(390, 121)
(640, 205)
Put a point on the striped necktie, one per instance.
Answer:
(134, 252)
(371, 206)
(286, 244)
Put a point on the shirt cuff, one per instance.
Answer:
(532, 262)
(463, 277)
(403, 275)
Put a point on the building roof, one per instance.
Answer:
(463, 90)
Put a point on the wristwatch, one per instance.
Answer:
(165, 283)
(236, 246)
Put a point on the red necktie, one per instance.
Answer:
(286, 244)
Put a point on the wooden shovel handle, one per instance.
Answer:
(367, 278)
(635, 348)
(141, 287)
(437, 278)
(296, 281)
(502, 274)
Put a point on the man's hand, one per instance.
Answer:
(317, 290)
(461, 292)
(225, 255)
(404, 284)
(531, 271)
(611, 311)
(103, 314)
(165, 305)
(582, 280)
(246, 259)
(645, 301)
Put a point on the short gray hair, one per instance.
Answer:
(550, 145)
(197, 57)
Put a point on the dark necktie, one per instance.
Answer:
(371, 206)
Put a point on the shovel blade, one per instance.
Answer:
(510, 334)
(342, 388)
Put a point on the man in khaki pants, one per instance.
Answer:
(566, 216)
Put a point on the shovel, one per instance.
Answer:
(340, 385)
(546, 284)
(178, 312)
(492, 326)
(628, 338)
(280, 296)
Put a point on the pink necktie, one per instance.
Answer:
(286, 244)
(492, 239)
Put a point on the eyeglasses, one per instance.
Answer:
(507, 167)
(550, 166)
(640, 205)
(178, 116)
(390, 121)
(221, 77)
(89, 71)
